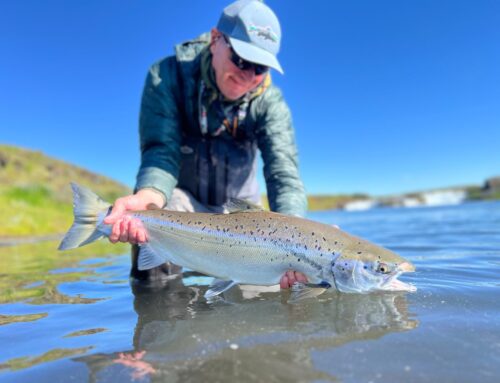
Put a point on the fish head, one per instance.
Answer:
(368, 267)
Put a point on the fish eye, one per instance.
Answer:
(383, 268)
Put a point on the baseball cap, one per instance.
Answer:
(253, 31)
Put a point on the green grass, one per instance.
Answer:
(30, 213)
(35, 196)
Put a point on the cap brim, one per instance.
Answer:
(255, 54)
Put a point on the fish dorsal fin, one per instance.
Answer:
(235, 205)
(152, 206)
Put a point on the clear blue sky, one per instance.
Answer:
(387, 96)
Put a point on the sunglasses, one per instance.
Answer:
(244, 64)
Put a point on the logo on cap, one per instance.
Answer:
(265, 32)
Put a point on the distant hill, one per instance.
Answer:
(35, 196)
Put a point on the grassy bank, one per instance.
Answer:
(35, 196)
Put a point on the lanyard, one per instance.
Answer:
(237, 114)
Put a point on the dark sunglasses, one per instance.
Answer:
(244, 64)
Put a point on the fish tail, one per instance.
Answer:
(87, 209)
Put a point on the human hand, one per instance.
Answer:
(126, 228)
(141, 369)
(290, 278)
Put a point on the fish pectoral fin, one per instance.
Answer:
(217, 287)
(148, 258)
(301, 291)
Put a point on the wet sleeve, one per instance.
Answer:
(276, 140)
(159, 130)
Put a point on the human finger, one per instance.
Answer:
(141, 236)
(124, 229)
(284, 282)
(132, 231)
(115, 232)
(300, 277)
(291, 277)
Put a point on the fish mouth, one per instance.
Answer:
(394, 284)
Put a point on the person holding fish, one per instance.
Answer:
(204, 114)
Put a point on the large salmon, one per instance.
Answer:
(248, 246)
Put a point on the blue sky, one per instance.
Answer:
(387, 96)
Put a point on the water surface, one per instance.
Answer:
(75, 317)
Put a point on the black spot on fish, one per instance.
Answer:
(324, 239)
(312, 233)
(359, 252)
(335, 242)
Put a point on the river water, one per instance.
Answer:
(76, 318)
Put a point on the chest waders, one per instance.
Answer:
(221, 163)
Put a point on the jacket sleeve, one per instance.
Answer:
(276, 141)
(159, 130)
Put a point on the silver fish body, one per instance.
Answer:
(252, 247)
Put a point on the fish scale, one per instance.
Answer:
(257, 243)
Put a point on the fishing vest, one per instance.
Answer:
(219, 165)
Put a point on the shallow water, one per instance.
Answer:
(75, 317)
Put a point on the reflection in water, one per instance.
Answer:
(179, 336)
(35, 271)
(49, 356)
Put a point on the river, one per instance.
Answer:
(75, 317)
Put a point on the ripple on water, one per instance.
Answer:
(85, 317)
